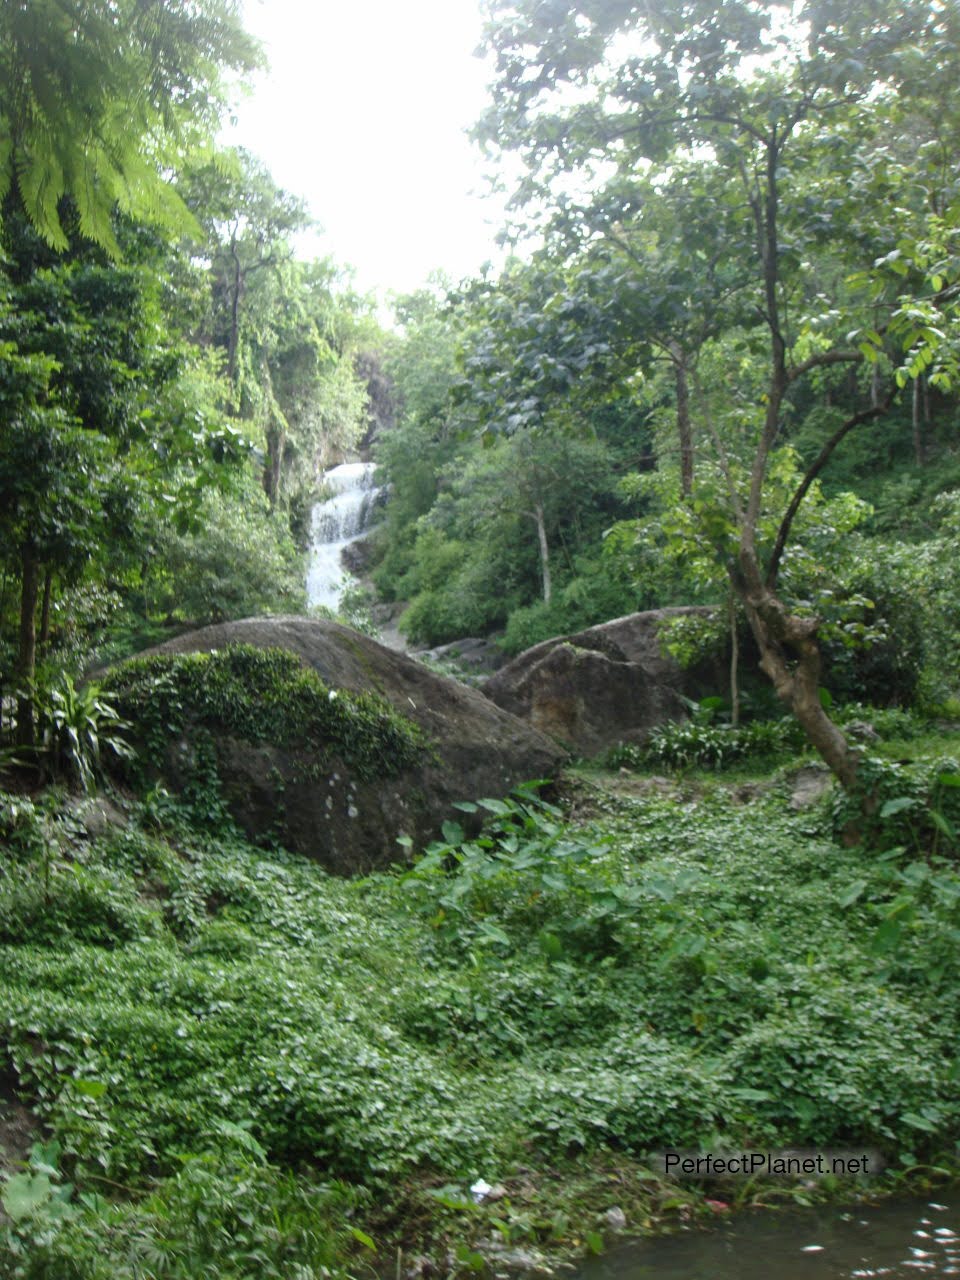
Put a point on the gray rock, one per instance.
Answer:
(472, 652)
(98, 815)
(344, 822)
(861, 730)
(608, 684)
(808, 785)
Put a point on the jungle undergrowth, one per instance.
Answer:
(197, 1021)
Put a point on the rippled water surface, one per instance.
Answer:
(897, 1240)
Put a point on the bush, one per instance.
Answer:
(686, 744)
(239, 561)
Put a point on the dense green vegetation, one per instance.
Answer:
(727, 375)
(279, 1068)
(729, 372)
(262, 695)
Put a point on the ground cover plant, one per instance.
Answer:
(238, 1063)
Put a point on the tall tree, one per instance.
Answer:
(779, 105)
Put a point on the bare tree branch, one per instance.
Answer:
(821, 359)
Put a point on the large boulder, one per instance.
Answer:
(343, 800)
(608, 684)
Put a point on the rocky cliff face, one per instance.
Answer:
(283, 781)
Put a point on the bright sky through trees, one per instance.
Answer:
(362, 113)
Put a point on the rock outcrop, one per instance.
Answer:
(315, 801)
(610, 683)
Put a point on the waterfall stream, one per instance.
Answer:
(334, 525)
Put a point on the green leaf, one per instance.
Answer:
(495, 806)
(898, 805)
(887, 937)
(364, 1239)
(852, 893)
(491, 933)
(550, 945)
(25, 1193)
(943, 824)
(90, 1088)
(919, 1122)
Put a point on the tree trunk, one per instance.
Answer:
(684, 431)
(27, 654)
(537, 515)
(919, 444)
(790, 657)
(276, 440)
(734, 664)
(233, 338)
(44, 641)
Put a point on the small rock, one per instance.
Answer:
(808, 785)
(98, 816)
(419, 1267)
(507, 1261)
(616, 1219)
(862, 731)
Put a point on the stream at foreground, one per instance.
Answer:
(896, 1240)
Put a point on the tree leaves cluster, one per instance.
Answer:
(777, 186)
(171, 378)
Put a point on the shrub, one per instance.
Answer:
(75, 726)
(686, 744)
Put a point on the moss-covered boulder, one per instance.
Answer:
(317, 736)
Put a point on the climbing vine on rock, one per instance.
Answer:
(268, 696)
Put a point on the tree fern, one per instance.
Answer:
(104, 100)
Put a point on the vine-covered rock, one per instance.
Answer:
(317, 736)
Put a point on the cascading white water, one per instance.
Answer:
(335, 524)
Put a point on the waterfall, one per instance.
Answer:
(335, 524)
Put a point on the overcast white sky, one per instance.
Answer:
(362, 113)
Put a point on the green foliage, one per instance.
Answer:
(216, 1027)
(354, 610)
(226, 1212)
(526, 871)
(915, 805)
(595, 592)
(75, 726)
(237, 561)
(708, 741)
(684, 744)
(100, 103)
(263, 695)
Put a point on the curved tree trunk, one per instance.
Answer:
(790, 657)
